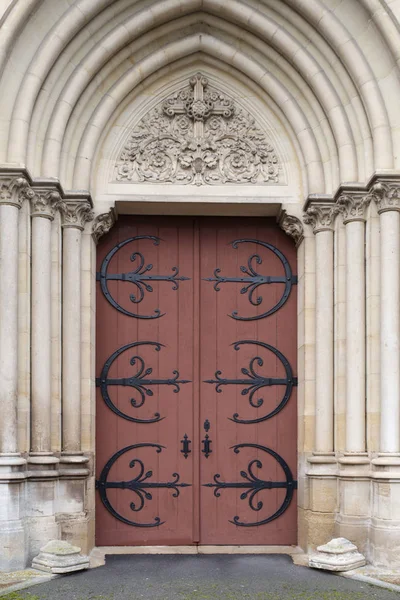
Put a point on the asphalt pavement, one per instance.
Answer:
(203, 577)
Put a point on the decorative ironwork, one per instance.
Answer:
(138, 277)
(253, 485)
(206, 446)
(186, 446)
(254, 382)
(254, 280)
(139, 485)
(139, 381)
(206, 450)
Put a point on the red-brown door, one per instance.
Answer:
(196, 383)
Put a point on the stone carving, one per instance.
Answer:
(75, 213)
(352, 205)
(59, 557)
(102, 225)
(14, 191)
(44, 203)
(337, 555)
(292, 226)
(198, 136)
(321, 216)
(386, 196)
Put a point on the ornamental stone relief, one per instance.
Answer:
(199, 136)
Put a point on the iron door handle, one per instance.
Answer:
(206, 450)
(186, 446)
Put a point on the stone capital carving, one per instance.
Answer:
(198, 135)
(386, 196)
(13, 191)
(292, 226)
(102, 224)
(352, 205)
(44, 203)
(75, 213)
(321, 217)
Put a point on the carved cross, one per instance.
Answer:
(199, 107)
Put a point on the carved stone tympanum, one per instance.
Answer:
(198, 135)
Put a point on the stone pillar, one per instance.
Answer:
(42, 215)
(322, 464)
(354, 482)
(75, 214)
(385, 532)
(12, 466)
(42, 462)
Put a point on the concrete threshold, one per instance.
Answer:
(98, 554)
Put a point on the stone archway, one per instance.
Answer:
(322, 80)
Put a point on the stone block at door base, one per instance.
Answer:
(338, 555)
(59, 557)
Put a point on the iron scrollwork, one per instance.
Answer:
(253, 485)
(140, 381)
(254, 382)
(139, 485)
(253, 280)
(139, 277)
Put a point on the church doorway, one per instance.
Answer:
(196, 382)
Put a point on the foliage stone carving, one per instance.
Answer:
(199, 136)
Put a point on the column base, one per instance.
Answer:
(385, 523)
(353, 519)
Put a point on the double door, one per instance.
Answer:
(196, 383)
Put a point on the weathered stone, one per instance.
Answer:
(337, 555)
(59, 557)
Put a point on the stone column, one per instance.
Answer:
(353, 206)
(322, 217)
(43, 203)
(11, 196)
(322, 463)
(354, 483)
(41, 509)
(75, 213)
(385, 533)
(13, 189)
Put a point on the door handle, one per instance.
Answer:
(206, 450)
(186, 446)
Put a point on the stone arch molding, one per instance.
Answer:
(331, 79)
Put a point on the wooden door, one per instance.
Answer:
(196, 386)
(144, 390)
(248, 389)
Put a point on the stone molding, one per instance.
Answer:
(292, 226)
(353, 205)
(102, 224)
(386, 196)
(14, 190)
(44, 203)
(321, 217)
(75, 213)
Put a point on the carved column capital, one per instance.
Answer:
(44, 203)
(292, 226)
(353, 204)
(75, 213)
(102, 224)
(386, 196)
(321, 217)
(14, 190)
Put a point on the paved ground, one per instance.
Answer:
(202, 578)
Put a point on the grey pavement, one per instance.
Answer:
(172, 577)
